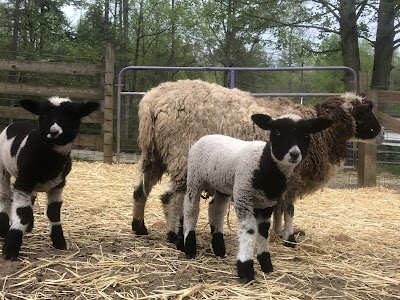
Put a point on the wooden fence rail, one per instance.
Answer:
(103, 93)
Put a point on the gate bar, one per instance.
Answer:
(231, 84)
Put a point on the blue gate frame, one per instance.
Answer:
(232, 71)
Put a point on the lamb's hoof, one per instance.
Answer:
(57, 237)
(4, 224)
(190, 245)
(265, 262)
(12, 244)
(218, 244)
(60, 244)
(245, 270)
(290, 242)
(139, 228)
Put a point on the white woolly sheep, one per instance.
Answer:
(38, 156)
(254, 174)
(174, 115)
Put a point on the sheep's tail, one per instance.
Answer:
(146, 138)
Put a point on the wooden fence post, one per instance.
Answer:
(366, 165)
(108, 104)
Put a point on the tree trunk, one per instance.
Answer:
(172, 61)
(384, 45)
(106, 24)
(13, 75)
(230, 34)
(349, 39)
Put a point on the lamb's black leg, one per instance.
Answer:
(54, 202)
(191, 208)
(4, 224)
(263, 217)
(22, 215)
(216, 213)
(247, 230)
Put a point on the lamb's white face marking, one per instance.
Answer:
(55, 131)
(58, 100)
(287, 164)
(294, 117)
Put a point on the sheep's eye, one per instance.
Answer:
(372, 130)
(277, 133)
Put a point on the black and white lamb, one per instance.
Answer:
(38, 156)
(254, 173)
(174, 115)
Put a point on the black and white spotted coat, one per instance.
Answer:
(254, 173)
(38, 157)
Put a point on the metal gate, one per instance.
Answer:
(231, 70)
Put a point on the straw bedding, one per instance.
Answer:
(350, 251)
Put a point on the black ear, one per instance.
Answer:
(319, 124)
(87, 108)
(370, 104)
(262, 121)
(32, 106)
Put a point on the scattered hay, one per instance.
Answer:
(350, 250)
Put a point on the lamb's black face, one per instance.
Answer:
(59, 124)
(59, 118)
(290, 135)
(289, 140)
(368, 129)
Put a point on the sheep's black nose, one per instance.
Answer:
(294, 154)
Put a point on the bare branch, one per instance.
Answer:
(331, 8)
(321, 28)
(361, 8)
(297, 24)
(372, 42)
(396, 43)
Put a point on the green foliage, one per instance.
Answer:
(329, 55)
(388, 168)
(195, 33)
(395, 74)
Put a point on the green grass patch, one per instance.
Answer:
(387, 168)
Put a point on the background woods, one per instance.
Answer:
(363, 35)
(212, 33)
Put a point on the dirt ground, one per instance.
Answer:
(350, 250)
